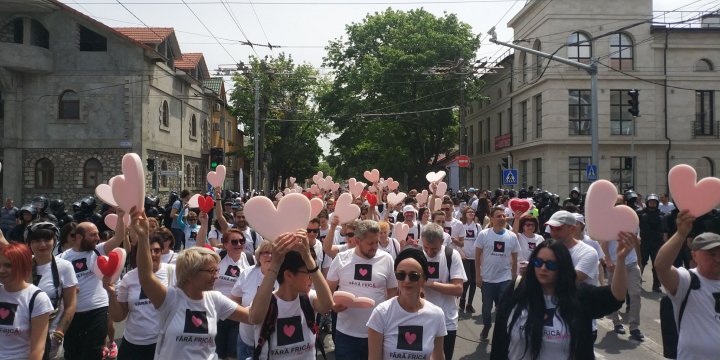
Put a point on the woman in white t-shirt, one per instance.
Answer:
(24, 308)
(329, 247)
(423, 216)
(390, 245)
(528, 238)
(56, 278)
(292, 333)
(407, 326)
(167, 256)
(190, 227)
(472, 229)
(187, 313)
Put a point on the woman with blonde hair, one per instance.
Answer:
(390, 245)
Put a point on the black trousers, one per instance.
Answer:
(226, 338)
(449, 344)
(86, 334)
(649, 250)
(130, 351)
(469, 285)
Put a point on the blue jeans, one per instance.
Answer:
(491, 292)
(244, 351)
(350, 347)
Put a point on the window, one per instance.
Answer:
(206, 134)
(163, 178)
(538, 116)
(92, 173)
(703, 65)
(487, 138)
(499, 124)
(470, 141)
(579, 112)
(538, 59)
(44, 173)
(579, 47)
(188, 175)
(198, 177)
(576, 169)
(510, 124)
(705, 113)
(537, 166)
(523, 173)
(525, 67)
(621, 172)
(524, 120)
(193, 126)
(621, 121)
(18, 30)
(69, 106)
(91, 41)
(621, 51)
(165, 114)
(39, 36)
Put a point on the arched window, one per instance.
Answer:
(92, 173)
(69, 106)
(538, 59)
(499, 92)
(621, 51)
(705, 167)
(163, 178)
(579, 47)
(198, 178)
(188, 175)
(165, 114)
(39, 36)
(206, 133)
(703, 65)
(525, 67)
(44, 173)
(193, 126)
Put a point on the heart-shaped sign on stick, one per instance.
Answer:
(392, 185)
(352, 301)
(434, 177)
(111, 265)
(335, 187)
(422, 197)
(371, 199)
(291, 181)
(345, 210)
(441, 189)
(372, 176)
(316, 204)
(292, 213)
(394, 199)
(217, 178)
(128, 189)
(104, 193)
(206, 203)
(698, 197)
(400, 231)
(194, 202)
(604, 219)
(317, 176)
(520, 205)
(357, 188)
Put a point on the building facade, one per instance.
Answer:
(537, 115)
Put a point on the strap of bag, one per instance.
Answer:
(448, 260)
(309, 314)
(267, 327)
(694, 285)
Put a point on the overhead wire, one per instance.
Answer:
(261, 26)
(237, 24)
(209, 31)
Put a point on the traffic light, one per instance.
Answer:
(151, 164)
(634, 102)
(505, 163)
(216, 157)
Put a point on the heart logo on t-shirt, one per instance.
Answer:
(469, 233)
(195, 322)
(447, 229)
(410, 237)
(410, 338)
(291, 332)
(363, 272)
(531, 246)
(7, 313)
(232, 270)
(433, 272)
(80, 265)
(499, 247)
(193, 235)
(549, 317)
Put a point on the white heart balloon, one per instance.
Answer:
(291, 214)
(435, 176)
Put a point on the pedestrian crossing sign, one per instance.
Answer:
(591, 172)
(510, 177)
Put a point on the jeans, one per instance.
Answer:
(469, 265)
(633, 289)
(350, 347)
(449, 344)
(130, 351)
(491, 292)
(244, 351)
(86, 334)
(226, 338)
(179, 236)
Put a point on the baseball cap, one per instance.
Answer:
(705, 241)
(562, 217)
(408, 208)
(580, 218)
(472, 190)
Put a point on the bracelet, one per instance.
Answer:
(314, 270)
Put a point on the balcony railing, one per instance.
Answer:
(703, 129)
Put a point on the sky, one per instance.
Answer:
(301, 28)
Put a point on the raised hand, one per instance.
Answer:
(684, 222)
(626, 243)
(203, 217)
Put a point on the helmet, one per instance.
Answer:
(30, 209)
(151, 200)
(652, 197)
(88, 204)
(40, 203)
(76, 206)
(574, 190)
(44, 225)
(57, 206)
(630, 195)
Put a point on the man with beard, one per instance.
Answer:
(253, 238)
(86, 334)
(651, 223)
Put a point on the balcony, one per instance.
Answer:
(705, 129)
(25, 58)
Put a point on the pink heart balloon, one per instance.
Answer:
(441, 189)
(356, 189)
(372, 176)
(279, 195)
(422, 197)
(111, 221)
(391, 184)
(394, 199)
(345, 210)
(400, 231)
(352, 301)
(316, 205)
(372, 189)
(434, 177)
(129, 188)
(320, 183)
(104, 193)
(193, 202)
(317, 176)
(112, 264)
(437, 204)
(351, 182)
(335, 187)
(292, 213)
(292, 180)
(698, 197)
(217, 178)
(604, 219)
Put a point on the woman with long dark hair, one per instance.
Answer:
(547, 315)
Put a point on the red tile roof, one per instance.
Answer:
(145, 35)
(189, 61)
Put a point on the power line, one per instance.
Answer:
(232, 16)
(138, 19)
(261, 26)
(210, 32)
(501, 19)
(380, 2)
(646, 80)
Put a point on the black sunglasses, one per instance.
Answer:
(413, 276)
(316, 231)
(237, 242)
(549, 264)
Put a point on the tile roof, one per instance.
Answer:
(189, 61)
(146, 35)
(213, 84)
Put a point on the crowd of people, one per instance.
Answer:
(199, 285)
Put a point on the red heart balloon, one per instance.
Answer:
(519, 205)
(108, 264)
(206, 203)
(371, 198)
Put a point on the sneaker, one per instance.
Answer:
(113, 353)
(470, 309)
(484, 333)
(636, 335)
(105, 352)
(462, 304)
(619, 329)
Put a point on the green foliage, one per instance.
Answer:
(396, 62)
(287, 93)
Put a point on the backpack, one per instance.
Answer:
(31, 306)
(669, 330)
(268, 325)
(448, 260)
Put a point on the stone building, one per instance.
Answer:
(537, 114)
(76, 95)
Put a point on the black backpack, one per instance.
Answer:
(668, 328)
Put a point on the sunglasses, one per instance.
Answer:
(316, 231)
(549, 264)
(156, 250)
(237, 242)
(413, 276)
(350, 234)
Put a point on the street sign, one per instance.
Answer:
(591, 172)
(463, 161)
(510, 177)
(169, 173)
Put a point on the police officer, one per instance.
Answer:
(651, 233)
(57, 209)
(26, 215)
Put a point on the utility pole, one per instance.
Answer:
(591, 69)
(256, 141)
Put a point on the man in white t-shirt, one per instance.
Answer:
(496, 252)
(313, 230)
(362, 271)
(86, 334)
(585, 259)
(413, 226)
(253, 239)
(444, 283)
(699, 288)
(453, 226)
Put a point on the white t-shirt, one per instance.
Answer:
(585, 259)
(555, 338)
(245, 288)
(612, 251)
(527, 245)
(321, 259)
(292, 338)
(595, 245)
(92, 295)
(407, 335)
(414, 231)
(190, 325)
(454, 228)
(392, 248)
(497, 254)
(67, 279)
(472, 230)
(438, 271)
(169, 258)
(228, 272)
(361, 277)
(700, 326)
(15, 320)
(142, 324)
(215, 233)
(191, 232)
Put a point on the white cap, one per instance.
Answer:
(562, 217)
(408, 208)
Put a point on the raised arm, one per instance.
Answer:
(152, 287)
(261, 302)
(219, 211)
(626, 243)
(120, 233)
(663, 265)
(324, 302)
(329, 248)
(118, 311)
(202, 233)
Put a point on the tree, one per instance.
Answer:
(408, 64)
(287, 113)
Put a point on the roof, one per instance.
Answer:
(213, 84)
(188, 61)
(146, 35)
